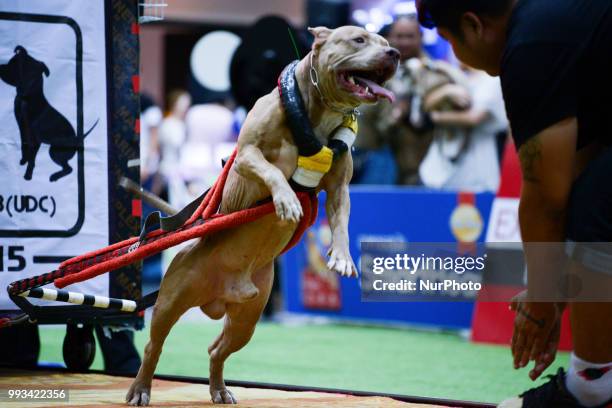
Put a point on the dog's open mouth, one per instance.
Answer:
(367, 85)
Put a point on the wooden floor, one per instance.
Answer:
(98, 391)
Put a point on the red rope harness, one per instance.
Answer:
(205, 220)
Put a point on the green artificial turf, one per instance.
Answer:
(340, 356)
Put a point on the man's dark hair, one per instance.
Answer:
(447, 13)
(385, 31)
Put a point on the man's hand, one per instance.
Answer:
(546, 358)
(536, 333)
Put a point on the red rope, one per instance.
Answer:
(204, 221)
(212, 225)
(213, 198)
(97, 262)
(309, 218)
(197, 213)
(97, 252)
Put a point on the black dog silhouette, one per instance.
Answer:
(38, 121)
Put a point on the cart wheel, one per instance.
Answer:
(79, 347)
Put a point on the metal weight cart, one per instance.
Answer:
(121, 19)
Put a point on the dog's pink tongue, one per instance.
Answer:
(377, 89)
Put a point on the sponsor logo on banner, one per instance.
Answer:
(466, 223)
(320, 286)
(503, 224)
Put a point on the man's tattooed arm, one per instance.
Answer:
(530, 155)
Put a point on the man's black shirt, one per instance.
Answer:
(558, 64)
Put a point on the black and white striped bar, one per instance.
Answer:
(81, 299)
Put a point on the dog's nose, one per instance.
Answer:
(393, 53)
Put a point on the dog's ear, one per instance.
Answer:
(320, 34)
(20, 50)
(44, 68)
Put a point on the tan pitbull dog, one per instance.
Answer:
(230, 273)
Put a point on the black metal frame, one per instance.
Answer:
(125, 282)
(83, 314)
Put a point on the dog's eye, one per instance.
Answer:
(359, 40)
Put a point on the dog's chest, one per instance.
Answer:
(323, 130)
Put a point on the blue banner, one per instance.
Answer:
(384, 214)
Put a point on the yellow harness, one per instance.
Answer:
(311, 169)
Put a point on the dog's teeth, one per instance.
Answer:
(352, 80)
(367, 89)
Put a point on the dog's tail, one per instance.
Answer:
(91, 129)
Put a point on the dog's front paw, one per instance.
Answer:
(287, 205)
(138, 395)
(222, 396)
(23, 161)
(340, 261)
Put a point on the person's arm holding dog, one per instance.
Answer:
(465, 118)
(455, 94)
(473, 104)
(464, 114)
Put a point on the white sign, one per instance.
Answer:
(504, 223)
(53, 138)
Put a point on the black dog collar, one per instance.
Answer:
(297, 118)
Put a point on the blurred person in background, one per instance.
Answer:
(172, 135)
(210, 138)
(394, 138)
(151, 117)
(373, 157)
(472, 165)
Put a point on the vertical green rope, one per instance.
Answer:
(294, 43)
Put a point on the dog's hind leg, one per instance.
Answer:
(175, 297)
(66, 170)
(239, 326)
(165, 316)
(61, 155)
